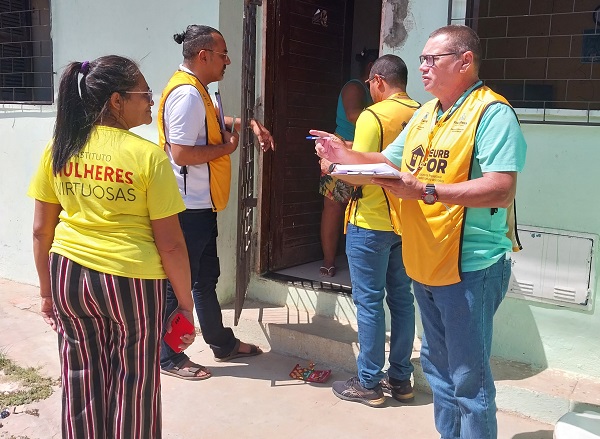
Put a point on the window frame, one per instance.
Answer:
(26, 53)
(463, 12)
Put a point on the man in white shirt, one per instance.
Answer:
(199, 148)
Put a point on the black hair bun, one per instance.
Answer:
(179, 37)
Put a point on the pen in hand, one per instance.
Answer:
(233, 124)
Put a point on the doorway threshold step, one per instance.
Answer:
(327, 342)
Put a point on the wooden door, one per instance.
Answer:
(307, 59)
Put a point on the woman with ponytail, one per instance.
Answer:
(106, 236)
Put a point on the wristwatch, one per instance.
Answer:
(430, 196)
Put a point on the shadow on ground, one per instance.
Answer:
(540, 434)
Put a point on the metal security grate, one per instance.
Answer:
(540, 55)
(26, 74)
(247, 200)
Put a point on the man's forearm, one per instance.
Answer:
(493, 190)
(236, 122)
(334, 149)
(199, 154)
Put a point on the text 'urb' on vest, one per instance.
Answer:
(219, 169)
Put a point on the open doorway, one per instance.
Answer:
(309, 52)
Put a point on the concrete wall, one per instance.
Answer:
(231, 25)
(556, 190)
(405, 27)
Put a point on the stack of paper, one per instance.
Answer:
(362, 174)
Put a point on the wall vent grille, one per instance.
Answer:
(555, 266)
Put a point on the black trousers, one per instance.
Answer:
(200, 231)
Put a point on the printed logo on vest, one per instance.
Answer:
(416, 157)
(437, 161)
(460, 124)
(422, 123)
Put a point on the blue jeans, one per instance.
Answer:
(376, 266)
(200, 232)
(455, 354)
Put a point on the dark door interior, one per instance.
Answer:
(308, 54)
(309, 51)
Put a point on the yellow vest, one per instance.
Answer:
(440, 152)
(219, 169)
(391, 115)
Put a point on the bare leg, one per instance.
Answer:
(331, 222)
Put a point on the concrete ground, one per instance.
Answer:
(246, 398)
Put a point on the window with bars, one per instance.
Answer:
(539, 54)
(25, 52)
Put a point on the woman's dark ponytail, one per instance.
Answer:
(81, 106)
(71, 129)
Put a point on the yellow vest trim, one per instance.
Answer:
(387, 134)
(440, 152)
(219, 169)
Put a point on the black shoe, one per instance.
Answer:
(401, 390)
(352, 390)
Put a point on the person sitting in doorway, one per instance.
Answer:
(353, 99)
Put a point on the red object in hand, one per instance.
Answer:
(179, 326)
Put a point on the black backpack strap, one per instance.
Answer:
(357, 190)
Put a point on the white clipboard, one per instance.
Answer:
(362, 174)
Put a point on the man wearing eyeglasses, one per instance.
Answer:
(199, 149)
(374, 250)
(459, 157)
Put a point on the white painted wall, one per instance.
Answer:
(421, 19)
(231, 26)
(556, 190)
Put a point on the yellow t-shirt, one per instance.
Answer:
(372, 211)
(109, 193)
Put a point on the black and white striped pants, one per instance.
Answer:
(109, 331)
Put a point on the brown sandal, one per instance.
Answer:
(192, 372)
(235, 353)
